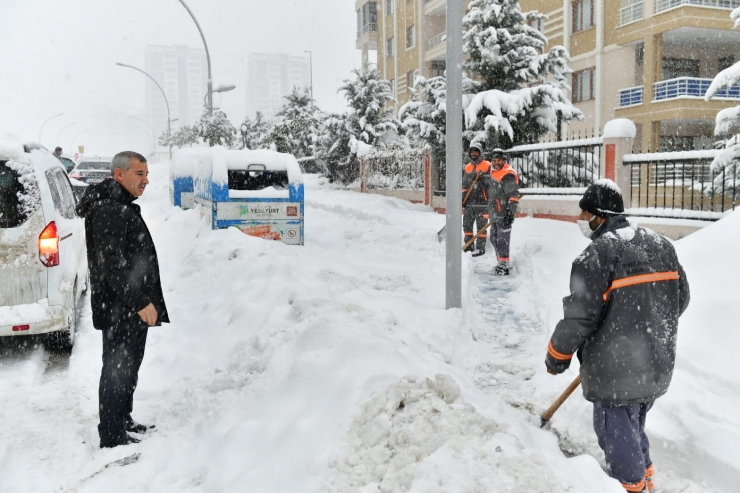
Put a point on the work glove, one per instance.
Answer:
(508, 217)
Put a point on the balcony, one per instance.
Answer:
(631, 13)
(662, 5)
(631, 96)
(689, 87)
(436, 40)
(370, 27)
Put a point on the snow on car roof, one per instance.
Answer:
(10, 149)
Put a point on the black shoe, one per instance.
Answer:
(502, 270)
(132, 426)
(125, 439)
(479, 253)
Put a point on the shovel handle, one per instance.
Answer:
(471, 240)
(545, 417)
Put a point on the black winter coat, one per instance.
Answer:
(124, 270)
(627, 291)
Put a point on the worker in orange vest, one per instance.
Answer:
(503, 200)
(475, 185)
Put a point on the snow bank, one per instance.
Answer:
(620, 128)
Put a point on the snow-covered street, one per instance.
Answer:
(334, 367)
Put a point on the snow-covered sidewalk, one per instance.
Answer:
(335, 367)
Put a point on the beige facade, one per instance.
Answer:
(647, 60)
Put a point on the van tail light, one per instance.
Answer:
(49, 245)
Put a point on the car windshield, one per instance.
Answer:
(11, 212)
(94, 165)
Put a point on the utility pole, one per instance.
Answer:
(453, 182)
(209, 94)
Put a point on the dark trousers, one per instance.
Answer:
(474, 219)
(501, 240)
(621, 434)
(123, 351)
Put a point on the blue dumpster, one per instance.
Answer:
(259, 192)
(183, 166)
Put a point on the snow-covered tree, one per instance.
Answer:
(424, 117)
(370, 121)
(187, 135)
(521, 90)
(257, 131)
(299, 125)
(727, 163)
(216, 129)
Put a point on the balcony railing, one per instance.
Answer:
(689, 87)
(631, 96)
(436, 40)
(631, 13)
(661, 5)
(370, 27)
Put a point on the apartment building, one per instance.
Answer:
(271, 77)
(182, 72)
(647, 60)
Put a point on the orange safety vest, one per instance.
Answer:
(483, 167)
(498, 175)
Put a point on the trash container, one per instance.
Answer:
(259, 192)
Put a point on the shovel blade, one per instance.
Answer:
(442, 234)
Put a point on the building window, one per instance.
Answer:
(538, 24)
(389, 4)
(370, 17)
(583, 85)
(583, 15)
(410, 76)
(410, 37)
(438, 68)
(359, 23)
(389, 43)
(680, 67)
(726, 62)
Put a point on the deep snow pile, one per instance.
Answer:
(329, 367)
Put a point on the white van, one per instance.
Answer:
(43, 258)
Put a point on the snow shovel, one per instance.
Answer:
(547, 415)
(471, 240)
(442, 233)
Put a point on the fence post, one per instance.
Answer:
(618, 137)
(363, 179)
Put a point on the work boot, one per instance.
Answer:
(132, 426)
(479, 252)
(470, 247)
(502, 269)
(124, 439)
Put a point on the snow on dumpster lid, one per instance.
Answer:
(185, 162)
(273, 161)
(10, 149)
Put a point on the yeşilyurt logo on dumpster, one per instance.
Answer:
(258, 210)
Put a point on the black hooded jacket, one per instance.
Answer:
(124, 270)
(627, 291)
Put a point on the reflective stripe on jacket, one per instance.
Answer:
(627, 291)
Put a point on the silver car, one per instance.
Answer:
(91, 170)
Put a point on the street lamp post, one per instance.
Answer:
(209, 94)
(45, 122)
(310, 70)
(167, 103)
(59, 135)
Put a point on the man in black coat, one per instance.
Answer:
(627, 292)
(126, 294)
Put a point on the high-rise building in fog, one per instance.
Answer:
(271, 78)
(183, 74)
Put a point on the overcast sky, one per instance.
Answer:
(59, 56)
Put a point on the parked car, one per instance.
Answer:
(43, 258)
(91, 170)
(67, 161)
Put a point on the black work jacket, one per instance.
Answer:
(124, 270)
(478, 197)
(627, 291)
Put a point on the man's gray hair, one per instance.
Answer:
(123, 160)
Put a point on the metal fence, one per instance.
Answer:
(394, 169)
(564, 164)
(682, 184)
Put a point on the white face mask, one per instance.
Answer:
(585, 227)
